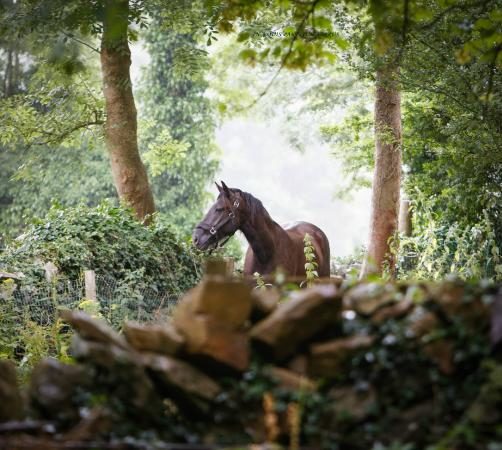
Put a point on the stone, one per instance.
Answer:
(417, 293)
(228, 301)
(54, 387)
(457, 303)
(328, 358)
(93, 329)
(125, 380)
(95, 423)
(156, 338)
(102, 354)
(11, 403)
(421, 322)
(441, 352)
(366, 298)
(397, 310)
(298, 319)
(179, 375)
(264, 302)
(496, 322)
(333, 279)
(211, 319)
(290, 380)
(210, 341)
(485, 409)
(353, 403)
(299, 364)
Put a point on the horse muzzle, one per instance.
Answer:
(202, 240)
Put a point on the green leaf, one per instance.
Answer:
(243, 36)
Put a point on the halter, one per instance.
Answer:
(214, 229)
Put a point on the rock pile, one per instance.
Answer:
(389, 359)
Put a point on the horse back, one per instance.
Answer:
(297, 230)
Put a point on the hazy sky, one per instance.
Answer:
(292, 185)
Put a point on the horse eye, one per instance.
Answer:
(219, 209)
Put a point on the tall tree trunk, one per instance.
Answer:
(129, 173)
(387, 175)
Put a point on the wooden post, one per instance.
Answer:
(230, 266)
(220, 267)
(405, 226)
(90, 284)
(51, 271)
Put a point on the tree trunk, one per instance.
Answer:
(387, 175)
(129, 173)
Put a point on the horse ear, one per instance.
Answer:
(226, 189)
(218, 186)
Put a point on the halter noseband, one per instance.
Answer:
(214, 229)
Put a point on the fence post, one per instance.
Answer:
(90, 284)
(51, 271)
(405, 214)
(219, 266)
(230, 266)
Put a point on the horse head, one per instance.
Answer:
(222, 220)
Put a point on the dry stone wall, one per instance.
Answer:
(359, 366)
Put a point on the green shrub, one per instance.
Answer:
(108, 240)
(438, 249)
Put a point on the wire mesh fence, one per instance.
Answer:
(115, 300)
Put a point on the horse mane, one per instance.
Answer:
(255, 206)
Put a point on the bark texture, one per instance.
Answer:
(129, 173)
(387, 174)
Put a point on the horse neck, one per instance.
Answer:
(262, 234)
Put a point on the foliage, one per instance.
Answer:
(46, 131)
(60, 104)
(310, 260)
(312, 32)
(260, 282)
(179, 132)
(53, 108)
(439, 248)
(108, 240)
(26, 340)
(31, 180)
(348, 266)
(51, 123)
(391, 384)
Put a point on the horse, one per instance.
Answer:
(270, 245)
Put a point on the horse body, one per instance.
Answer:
(287, 251)
(270, 245)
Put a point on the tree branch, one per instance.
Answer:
(439, 91)
(454, 6)
(492, 69)
(71, 36)
(404, 31)
(60, 137)
(284, 59)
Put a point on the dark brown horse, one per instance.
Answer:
(270, 245)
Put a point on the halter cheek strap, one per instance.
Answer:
(214, 229)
